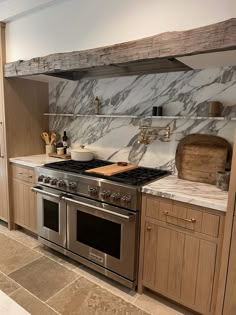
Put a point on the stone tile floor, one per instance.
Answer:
(45, 282)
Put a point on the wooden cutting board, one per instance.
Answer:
(112, 169)
(62, 156)
(199, 157)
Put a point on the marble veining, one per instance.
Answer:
(179, 93)
(199, 194)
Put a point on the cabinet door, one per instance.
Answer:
(24, 205)
(230, 296)
(180, 266)
(163, 259)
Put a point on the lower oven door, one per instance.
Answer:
(51, 215)
(103, 234)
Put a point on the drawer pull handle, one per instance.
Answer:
(20, 173)
(149, 228)
(166, 213)
(30, 176)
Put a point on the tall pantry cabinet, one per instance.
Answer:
(22, 104)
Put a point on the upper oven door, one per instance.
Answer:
(103, 234)
(51, 215)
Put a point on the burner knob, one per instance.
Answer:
(72, 186)
(125, 199)
(62, 184)
(93, 191)
(46, 180)
(115, 197)
(105, 194)
(53, 182)
(40, 178)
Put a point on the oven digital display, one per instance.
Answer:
(101, 234)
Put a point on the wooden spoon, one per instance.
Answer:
(45, 137)
(53, 137)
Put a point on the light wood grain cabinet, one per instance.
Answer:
(230, 294)
(179, 255)
(23, 199)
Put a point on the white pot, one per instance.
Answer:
(81, 154)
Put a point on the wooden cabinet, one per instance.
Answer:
(23, 199)
(230, 294)
(180, 252)
(22, 104)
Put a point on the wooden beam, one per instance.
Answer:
(215, 37)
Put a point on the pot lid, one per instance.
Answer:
(82, 149)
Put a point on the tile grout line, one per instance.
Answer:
(73, 269)
(131, 301)
(16, 240)
(22, 266)
(21, 287)
(62, 290)
(59, 263)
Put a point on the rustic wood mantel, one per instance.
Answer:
(148, 55)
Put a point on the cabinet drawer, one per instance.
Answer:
(24, 174)
(182, 215)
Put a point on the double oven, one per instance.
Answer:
(93, 232)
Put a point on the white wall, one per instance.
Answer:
(82, 24)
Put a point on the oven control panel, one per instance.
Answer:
(118, 195)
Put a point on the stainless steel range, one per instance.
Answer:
(93, 219)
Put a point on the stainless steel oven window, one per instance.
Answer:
(51, 216)
(103, 235)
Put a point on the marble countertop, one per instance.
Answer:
(199, 194)
(34, 160)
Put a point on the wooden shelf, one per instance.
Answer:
(140, 116)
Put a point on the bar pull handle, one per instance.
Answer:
(192, 220)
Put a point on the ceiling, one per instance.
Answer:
(13, 9)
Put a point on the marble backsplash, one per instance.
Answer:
(116, 139)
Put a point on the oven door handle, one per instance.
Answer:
(46, 193)
(128, 218)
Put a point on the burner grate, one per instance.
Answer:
(136, 177)
(77, 166)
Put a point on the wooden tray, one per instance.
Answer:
(63, 156)
(112, 169)
(199, 157)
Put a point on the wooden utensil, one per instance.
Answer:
(199, 157)
(63, 156)
(112, 169)
(53, 137)
(45, 137)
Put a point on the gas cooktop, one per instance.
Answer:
(136, 177)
